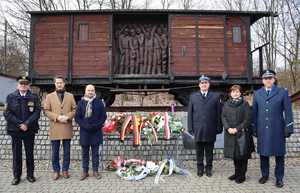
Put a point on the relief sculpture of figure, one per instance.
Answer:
(124, 51)
(141, 39)
(149, 46)
(141, 48)
(134, 52)
(117, 57)
(157, 53)
(164, 51)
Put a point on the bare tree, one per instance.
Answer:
(186, 4)
(13, 59)
(237, 4)
(289, 21)
(266, 30)
(101, 3)
(165, 4)
(87, 4)
(19, 19)
(121, 4)
(63, 4)
(146, 4)
(18, 26)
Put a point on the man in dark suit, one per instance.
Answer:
(272, 124)
(204, 122)
(22, 114)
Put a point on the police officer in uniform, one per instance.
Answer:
(272, 124)
(204, 122)
(22, 114)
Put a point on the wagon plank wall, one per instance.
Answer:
(210, 40)
(183, 50)
(211, 31)
(237, 52)
(51, 46)
(211, 49)
(90, 57)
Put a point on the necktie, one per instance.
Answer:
(268, 92)
(204, 95)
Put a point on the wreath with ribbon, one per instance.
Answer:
(152, 126)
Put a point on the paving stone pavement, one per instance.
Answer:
(110, 183)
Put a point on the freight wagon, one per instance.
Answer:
(142, 50)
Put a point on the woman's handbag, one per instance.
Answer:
(242, 141)
(188, 140)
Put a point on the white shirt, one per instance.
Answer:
(268, 90)
(204, 94)
(23, 94)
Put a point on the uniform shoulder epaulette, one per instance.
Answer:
(283, 88)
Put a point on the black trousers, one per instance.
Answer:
(208, 149)
(240, 166)
(17, 155)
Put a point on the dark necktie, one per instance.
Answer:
(203, 94)
(268, 92)
(61, 96)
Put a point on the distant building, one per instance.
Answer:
(7, 85)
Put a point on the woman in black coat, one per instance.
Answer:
(236, 118)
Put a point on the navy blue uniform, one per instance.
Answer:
(272, 123)
(22, 110)
(204, 122)
(204, 116)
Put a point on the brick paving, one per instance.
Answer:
(110, 183)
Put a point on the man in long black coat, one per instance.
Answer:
(204, 122)
(22, 114)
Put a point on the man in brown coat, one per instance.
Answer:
(59, 107)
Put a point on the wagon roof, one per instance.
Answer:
(254, 15)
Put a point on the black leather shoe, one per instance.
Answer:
(200, 173)
(232, 177)
(279, 183)
(31, 179)
(263, 179)
(240, 180)
(208, 172)
(15, 181)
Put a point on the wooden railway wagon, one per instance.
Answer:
(142, 50)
